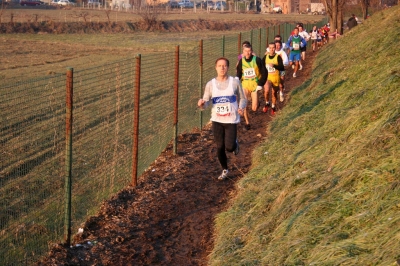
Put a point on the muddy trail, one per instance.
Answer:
(168, 219)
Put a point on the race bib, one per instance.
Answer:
(271, 69)
(249, 73)
(223, 109)
(296, 46)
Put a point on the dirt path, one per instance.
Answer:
(168, 218)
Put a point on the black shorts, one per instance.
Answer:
(303, 49)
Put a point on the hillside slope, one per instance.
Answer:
(324, 188)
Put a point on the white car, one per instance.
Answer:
(122, 5)
(220, 5)
(94, 3)
(186, 4)
(65, 3)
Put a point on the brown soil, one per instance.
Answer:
(168, 219)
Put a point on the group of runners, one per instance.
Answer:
(229, 96)
(319, 36)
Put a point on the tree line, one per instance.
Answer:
(335, 10)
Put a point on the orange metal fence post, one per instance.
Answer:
(223, 45)
(201, 78)
(176, 88)
(68, 155)
(135, 144)
(240, 43)
(259, 42)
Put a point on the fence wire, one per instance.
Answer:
(32, 147)
(189, 91)
(33, 135)
(102, 135)
(156, 106)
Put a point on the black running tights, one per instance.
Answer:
(225, 138)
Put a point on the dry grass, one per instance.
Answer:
(34, 55)
(327, 191)
(95, 15)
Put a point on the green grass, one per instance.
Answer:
(324, 188)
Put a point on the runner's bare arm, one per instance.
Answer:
(204, 102)
(241, 96)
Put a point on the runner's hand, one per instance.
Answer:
(201, 103)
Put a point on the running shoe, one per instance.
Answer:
(265, 108)
(224, 174)
(236, 151)
(292, 66)
(247, 126)
(301, 67)
(273, 111)
(294, 74)
(281, 97)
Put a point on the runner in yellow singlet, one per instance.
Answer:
(273, 64)
(252, 73)
(280, 50)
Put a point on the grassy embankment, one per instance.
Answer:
(324, 188)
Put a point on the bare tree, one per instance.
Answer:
(84, 15)
(334, 9)
(150, 17)
(12, 18)
(331, 11)
(340, 16)
(108, 15)
(3, 6)
(364, 6)
(36, 17)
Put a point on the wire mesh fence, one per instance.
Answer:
(35, 210)
(31, 170)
